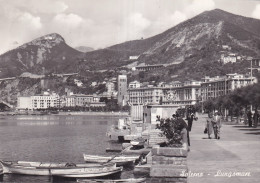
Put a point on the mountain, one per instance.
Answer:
(190, 48)
(46, 54)
(84, 49)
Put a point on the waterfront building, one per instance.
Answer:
(83, 100)
(183, 94)
(45, 100)
(70, 101)
(122, 89)
(222, 85)
(24, 103)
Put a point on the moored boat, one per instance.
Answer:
(86, 172)
(119, 160)
(45, 168)
(131, 180)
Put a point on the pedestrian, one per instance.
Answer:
(209, 126)
(256, 117)
(190, 118)
(183, 124)
(185, 139)
(249, 118)
(245, 117)
(217, 124)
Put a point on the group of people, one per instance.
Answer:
(213, 125)
(252, 119)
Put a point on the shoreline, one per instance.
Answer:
(73, 113)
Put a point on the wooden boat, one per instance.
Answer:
(131, 180)
(43, 168)
(86, 172)
(119, 160)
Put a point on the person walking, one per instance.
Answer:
(256, 117)
(217, 124)
(183, 123)
(249, 118)
(190, 118)
(209, 125)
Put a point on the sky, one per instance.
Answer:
(102, 23)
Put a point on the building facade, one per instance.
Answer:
(83, 100)
(24, 103)
(122, 89)
(148, 67)
(134, 84)
(186, 94)
(219, 86)
(45, 101)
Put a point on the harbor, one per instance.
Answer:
(53, 139)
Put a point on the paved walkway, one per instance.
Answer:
(238, 151)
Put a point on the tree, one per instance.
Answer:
(171, 130)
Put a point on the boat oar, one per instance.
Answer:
(115, 156)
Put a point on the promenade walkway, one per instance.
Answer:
(238, 151)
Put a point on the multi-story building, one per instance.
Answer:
(185, 94)
(24, 102)
(110, 88)
(83, 100)
(122, 89)
(134, 84)
(45, 101)
(70, 101)
(219, 86)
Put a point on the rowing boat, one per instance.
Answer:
(86, 172)
(119, 160)
(131, 180)
(61, 169)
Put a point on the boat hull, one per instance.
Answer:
(120, 160)
(86, 173)
(131, 180)
(37, 168)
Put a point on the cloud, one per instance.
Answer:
(27, 20)
(256, 12)
(45, 6)
(198, 6)
(68, 20)
(134, 26)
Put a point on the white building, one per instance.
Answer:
(134, 84)
(42, 101)
(110, 88)
(45, 101)
(24, 103)
(228, 58)
(219, 86)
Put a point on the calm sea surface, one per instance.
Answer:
(53, 138)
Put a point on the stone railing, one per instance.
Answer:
(169, 165)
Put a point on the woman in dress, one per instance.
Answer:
(209, 124)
